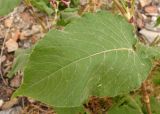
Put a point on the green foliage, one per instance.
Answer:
(97, 55)
(155, 104)
(158, 21)
(21, 59)
(67, 16)
(156, 77)
(152, 52)
(131, 105)
(92, 56)
(74, 3)
(7, 6)
(43, 5)
(126, 105)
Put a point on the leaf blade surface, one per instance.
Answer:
(92, 56)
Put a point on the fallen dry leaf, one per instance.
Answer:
(16, 81)
(149, 35)
(144, 2)
(1, 102)
(8, 22)
(14, 110)
(9, 104)
(27, 17)
(2, 59)
(11, 45)
(151, 9)
(16, 35)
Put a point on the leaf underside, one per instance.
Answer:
(92, 56)
(21, 59)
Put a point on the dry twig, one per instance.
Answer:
(1, 54)
(146, 98)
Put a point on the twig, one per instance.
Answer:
(92, 4)
(1, 54)
(38, 19)
(23, 104)
(146, 98)
(119, 6)
(38, 107)
(28, 4)
(48, 24)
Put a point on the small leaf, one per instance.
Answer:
(20, 61)
(6, 6)
(156, 76)
(129, 105)
(67, 16)
(75, 3)
(126, 105)
(155, 104)
(94, 55)
(42, 5)
(158, 21)
(150, 52)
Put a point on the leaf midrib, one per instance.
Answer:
(102, 52)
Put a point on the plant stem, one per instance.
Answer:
(136, 104)
(146, 98)
(28, 4)
(119, 6)
(1, 53)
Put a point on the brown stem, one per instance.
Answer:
(92, 4)
(119, 6)
(146, 98)
(1, 53)
(35, 15)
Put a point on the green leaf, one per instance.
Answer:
(92, 56)
(155, 104)
(20, 61)
(156, 76)
(67, 16)
(124, 110)
(75, 3)
(130, 105)
(126, 105)
(158, 21)
(7, 6)
(151, 52)
(42, 5)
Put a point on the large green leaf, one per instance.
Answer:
(7, 6)
(92, 56)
